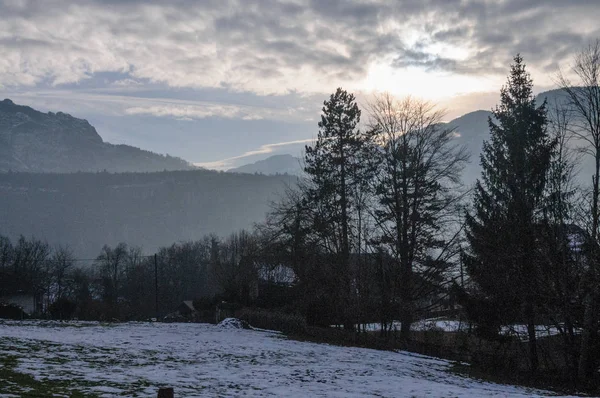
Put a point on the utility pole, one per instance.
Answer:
(462, 274)
(156, 285)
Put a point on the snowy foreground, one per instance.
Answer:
(134, 359)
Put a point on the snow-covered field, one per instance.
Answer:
(135, 359)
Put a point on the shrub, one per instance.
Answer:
(62, 309)
(12, 311)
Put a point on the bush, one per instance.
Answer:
(286, 323)
(62, 309)
(12, 311)
(434, 335)
(91, 310)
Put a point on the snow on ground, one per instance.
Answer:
(233, 323)
(442, 324)
(541, 331)
(204, 360)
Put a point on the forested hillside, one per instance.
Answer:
(88, 210)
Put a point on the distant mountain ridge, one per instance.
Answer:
(34, 141)
(471, 129)
(273, 165)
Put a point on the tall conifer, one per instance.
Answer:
(507, 202)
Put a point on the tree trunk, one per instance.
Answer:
(405, 261)
(406, 317)
(533, 355)
(345, 270)
(589, 321)
(570, 352)
(589, 327)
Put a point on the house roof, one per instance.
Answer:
(189, 304)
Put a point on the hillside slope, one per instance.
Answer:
(57, 142)
(88, 210)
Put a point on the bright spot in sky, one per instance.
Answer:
(432, 85)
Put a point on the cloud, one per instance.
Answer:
(227, 163)
(281, 46)
(126, 83)
(163, 104)
(190, 112)
(181, 109)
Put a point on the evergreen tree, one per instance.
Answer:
(507, 204)
(334, 170)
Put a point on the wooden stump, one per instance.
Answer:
(166, 393)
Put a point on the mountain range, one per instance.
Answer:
(33, 141)
(273, 165)
(471, 131)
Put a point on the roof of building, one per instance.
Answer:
(189, 304)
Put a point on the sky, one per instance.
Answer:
(222, 83)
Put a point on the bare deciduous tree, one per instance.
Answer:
(234, 268)
(416, 187)
(6, 252)
(583, 99)
(62, 261)
(111, 263)
(583, 102)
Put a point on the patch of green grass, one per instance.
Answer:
(52, 356)
(24, 385)
(55, 381)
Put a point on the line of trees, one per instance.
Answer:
(375, 217)
(122, 283)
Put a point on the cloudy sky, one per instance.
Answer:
(226, 82)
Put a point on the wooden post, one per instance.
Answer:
(156, 286)
(166, 393)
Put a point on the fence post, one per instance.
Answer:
(166, 393)
(156, 285)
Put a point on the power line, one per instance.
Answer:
(36, 261)
(96, 259)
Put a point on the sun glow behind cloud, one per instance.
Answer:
(431, 85)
